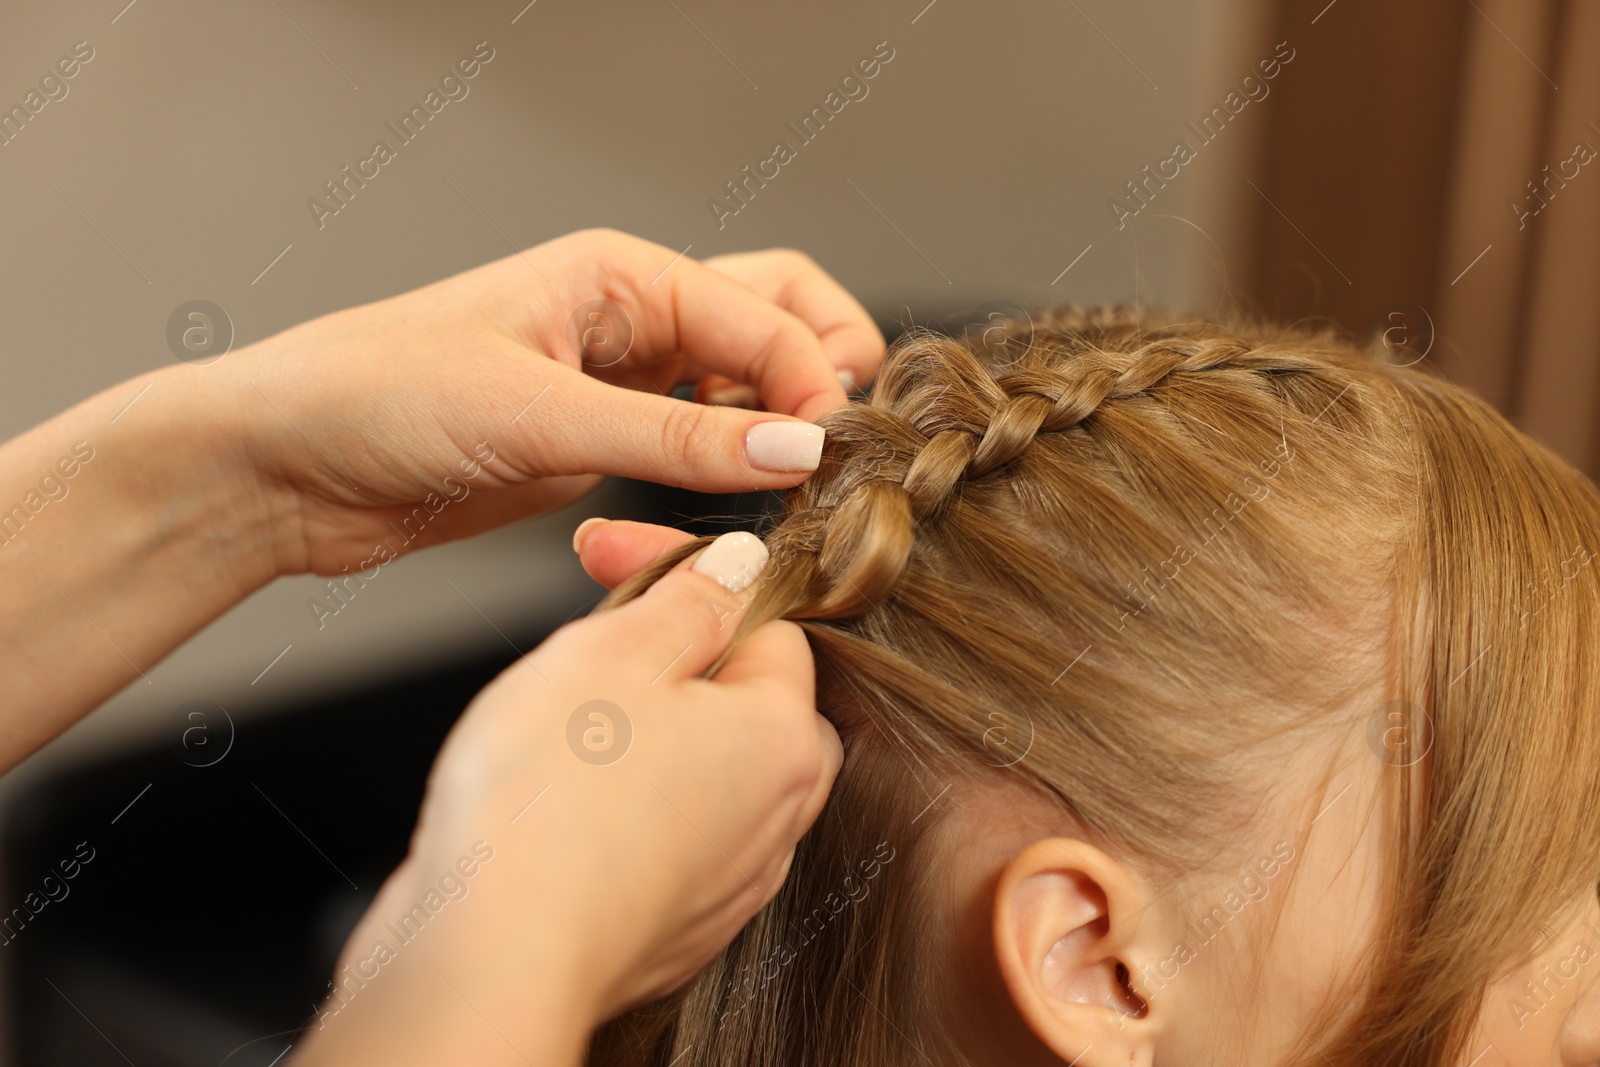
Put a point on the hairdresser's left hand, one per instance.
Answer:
(469, 400)
(585, 878)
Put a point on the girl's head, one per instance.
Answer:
(1210, 695)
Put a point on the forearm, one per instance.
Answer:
(447, 1018)
(499, 977)
(126, 524)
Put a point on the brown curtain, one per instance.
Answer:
(1445, 154)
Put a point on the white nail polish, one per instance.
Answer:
(734, 559)
(583, 529)
(847, 378)
(784, 446)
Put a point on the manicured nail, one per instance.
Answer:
(784, 446)
(847, 378)
(734, 559)
(583, 531)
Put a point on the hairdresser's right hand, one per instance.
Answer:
(620, 866)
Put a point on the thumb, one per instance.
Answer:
(686, 620)
(588, 427)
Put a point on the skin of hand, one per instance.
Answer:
(612, 550)
(775, 277)
(619, 880)
(458, 407)
(426, 378)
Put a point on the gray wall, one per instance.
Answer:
(978, 167)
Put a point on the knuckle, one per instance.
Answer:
(685, 598)
(794, 260)
(779, 874)
(777, 338)
(599, 243)
(681, 590)
(807, 755)
(573, 638)
(806, 772)
(600, 235)
(796, 744)
(685, 436)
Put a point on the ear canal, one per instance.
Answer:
(1138, 1007)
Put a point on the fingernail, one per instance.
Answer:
(847, 378)
(734, 559)
(583, 531)
(784, 446)
(734, 396)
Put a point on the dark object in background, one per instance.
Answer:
(203, 928)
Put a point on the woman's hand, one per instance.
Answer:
(130, 521)
(504, 391)
(636, 816)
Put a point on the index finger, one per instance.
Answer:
(681, 305)
(795, 282)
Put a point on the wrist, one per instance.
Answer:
(134, 513)
(177, 462)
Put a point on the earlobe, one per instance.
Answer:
(1066, 929)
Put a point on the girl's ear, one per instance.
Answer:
(1067, 930)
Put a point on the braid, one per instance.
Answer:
(940, 418)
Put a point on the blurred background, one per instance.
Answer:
(1420, 169)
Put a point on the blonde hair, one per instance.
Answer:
(1134, 543)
